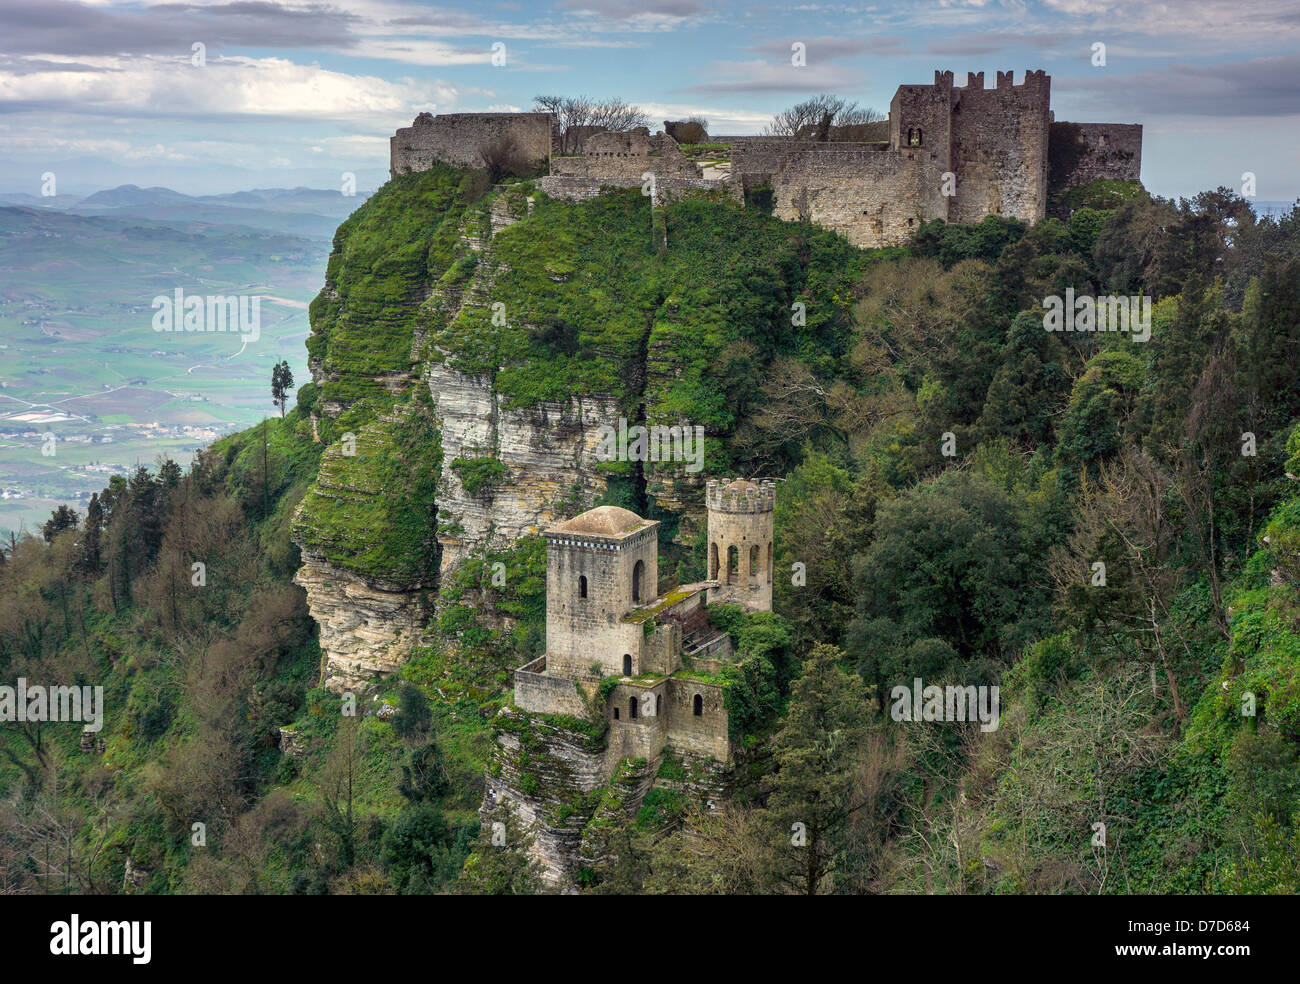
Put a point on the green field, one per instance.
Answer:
(80, 359)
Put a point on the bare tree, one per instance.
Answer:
(574, 112)
(819, 117)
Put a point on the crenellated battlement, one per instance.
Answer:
(954, 153)
(740, 496)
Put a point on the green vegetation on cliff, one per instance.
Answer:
(385, 256)
(373, 508)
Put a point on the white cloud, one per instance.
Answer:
(225, 87)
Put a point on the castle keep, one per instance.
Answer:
(951, 152)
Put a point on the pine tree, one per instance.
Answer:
(281, 383)
(813, 789)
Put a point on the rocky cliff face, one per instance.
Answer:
(475, 340)
(562, 784)
(366, 630)
(548, 454)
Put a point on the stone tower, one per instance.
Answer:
(741, 530)
(598, 566)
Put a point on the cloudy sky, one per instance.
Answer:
(219, 96)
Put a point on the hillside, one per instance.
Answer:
(950, 474)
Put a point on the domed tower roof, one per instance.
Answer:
(609, 521)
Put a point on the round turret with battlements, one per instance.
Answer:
(741, 528)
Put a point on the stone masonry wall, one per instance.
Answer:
(628, 156)
(456, 138)
(580, 631)
(871, 197)
(576, 188)
(1084, 152)
(744, 523)
(924, 112)
(540, 693)
(642, 736)
(705, 734)
(999, 148)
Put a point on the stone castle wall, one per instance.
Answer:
(1084, 152)
(920, 118)
(999, 148)
(538, 692)
(643, 736)
(627, 155)
(706, 734)
(575, 188)
(998, 144)
(870, 197)
(457, 138)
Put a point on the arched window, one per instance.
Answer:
(627, 664)
(753, 563)
(659, 704)
(713, 561)
(631, 707)
(769, 561)
(733, 564)
(699, 705)
(582, 585)
(914, 137)
(638, 572)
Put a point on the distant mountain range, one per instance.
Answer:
(310, 212)
(82, 176)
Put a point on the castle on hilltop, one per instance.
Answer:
(948, 152)
(646, 664)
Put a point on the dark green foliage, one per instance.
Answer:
(951, 244)
(413, 715)
(946, 581)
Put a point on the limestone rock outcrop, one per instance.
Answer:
(548, 453)
(366, 629)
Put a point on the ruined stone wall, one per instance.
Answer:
(1084, 152)
(757, 159)
(456, 138)
(999, 148)
(576, 188)
(627, 155)
(704, 734)
(585, 631)
(540, 693)
(871, 197)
